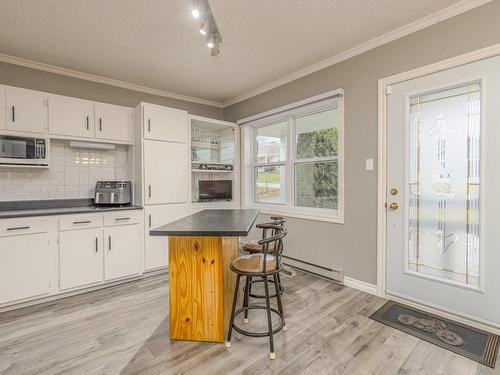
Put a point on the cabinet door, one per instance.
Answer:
(122, 249)
(113, 122)
(166, 175)
(80, 257)
(2, 108)
(24, 266)
(156, 249)
(26, 110)
(71, 116)
(165, 124)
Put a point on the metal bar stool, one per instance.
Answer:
(264, 265)
(253, 247)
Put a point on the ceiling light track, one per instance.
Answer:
(208, 27)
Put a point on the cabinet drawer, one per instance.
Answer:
(80, 222)
(14, 227)
(123, 218)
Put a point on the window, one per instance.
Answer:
(293, 160)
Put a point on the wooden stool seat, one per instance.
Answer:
(254, 263)
(254, 247)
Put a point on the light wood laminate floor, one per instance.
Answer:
(124, 330)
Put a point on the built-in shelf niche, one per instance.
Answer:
(213, 146)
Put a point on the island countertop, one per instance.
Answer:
(222, 223)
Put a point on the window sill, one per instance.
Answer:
(299, 215)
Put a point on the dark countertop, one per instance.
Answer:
(50, 207)
(223, 223)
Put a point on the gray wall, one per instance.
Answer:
(352, 246)
(14, 75)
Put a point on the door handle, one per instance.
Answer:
(13, 114)
(100, 124)
(96, 245)
(149, 125)
(109, 243)
(149, 191)
(394, 206)
(87, 120)
(149, 221)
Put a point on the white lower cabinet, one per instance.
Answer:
(156, 249)
(122, 254)
(24, 264)
(80, 257)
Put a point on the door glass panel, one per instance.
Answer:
(444, 177)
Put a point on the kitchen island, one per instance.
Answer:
(201, 248)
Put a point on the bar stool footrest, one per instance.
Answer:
(258, 334)
(261, 296)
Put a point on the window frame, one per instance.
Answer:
(249, 153)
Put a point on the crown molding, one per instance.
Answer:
(432, 19)
(104, 80)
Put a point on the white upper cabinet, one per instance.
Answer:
(71, 116)
(2, 108)
(113, 122)
(165, 124)
(166, 178)
(26, 110)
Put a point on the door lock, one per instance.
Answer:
(394, 191)
(394, 206)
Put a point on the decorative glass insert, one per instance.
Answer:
(444, 184)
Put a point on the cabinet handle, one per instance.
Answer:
(96, 245)
(149, 222)
(100, 124)
(109, 243)
(122, 218)
(87, 122)
(149, 188)
(149, 125)
(13, 114)
(18, 228)
(82, 222)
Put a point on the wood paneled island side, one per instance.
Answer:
(201, 284)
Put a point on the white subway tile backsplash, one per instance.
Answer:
(73, 173)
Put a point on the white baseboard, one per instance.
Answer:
(361, 285)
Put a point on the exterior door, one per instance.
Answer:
(443, 183)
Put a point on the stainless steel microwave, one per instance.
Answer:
(16, 150)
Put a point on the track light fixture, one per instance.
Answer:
(204, 27)
(208, 26)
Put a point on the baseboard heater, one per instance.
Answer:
(333, 274)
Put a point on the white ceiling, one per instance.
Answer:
(156, 43)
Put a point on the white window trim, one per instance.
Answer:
(333, 99)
